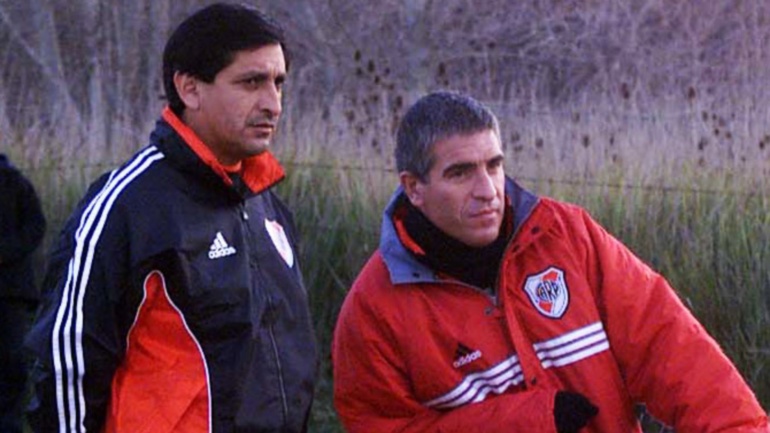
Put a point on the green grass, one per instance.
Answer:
(337, 211)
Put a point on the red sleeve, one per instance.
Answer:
(668, 359)
(372, 390)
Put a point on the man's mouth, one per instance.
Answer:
(485, 212)
(261, 123)
(262, 127)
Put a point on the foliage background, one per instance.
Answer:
(85, 74)
(651, 113)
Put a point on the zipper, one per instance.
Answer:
(269, 323)
(520, 343)
(279, 367)
(476, 289)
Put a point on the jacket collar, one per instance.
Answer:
(404, 268)
(258, 173)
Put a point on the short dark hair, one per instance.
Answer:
(207, 41)
(435, 117)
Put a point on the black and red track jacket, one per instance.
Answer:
(174, 301)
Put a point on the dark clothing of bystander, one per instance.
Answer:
(22, 226)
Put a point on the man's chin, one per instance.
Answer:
(259, 148)
(482, 240)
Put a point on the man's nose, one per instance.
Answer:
(484, 188)
(270, 101)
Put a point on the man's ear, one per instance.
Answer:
(412, 187)
(188, 88)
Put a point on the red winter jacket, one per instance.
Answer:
(415, 352)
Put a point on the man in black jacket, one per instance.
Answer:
(22, 226)
(177, 302)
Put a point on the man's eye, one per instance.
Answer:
(455, 174)
(251, 82)
(495, 164)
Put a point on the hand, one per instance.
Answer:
(572, 411)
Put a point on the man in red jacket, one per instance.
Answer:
(487, 308)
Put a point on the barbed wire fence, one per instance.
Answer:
(90, 171)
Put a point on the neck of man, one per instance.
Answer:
(478, 267)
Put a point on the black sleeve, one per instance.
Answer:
(27, 217)
(75, 342)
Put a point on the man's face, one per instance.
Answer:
(463, 194)
(238, 112)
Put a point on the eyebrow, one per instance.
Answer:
(497, 159)
(460, 166)
(465, 166)
(259, 76)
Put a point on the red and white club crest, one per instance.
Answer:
(278, 236)
(548, 292)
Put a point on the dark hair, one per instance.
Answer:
(433, 118)
(207, 41)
